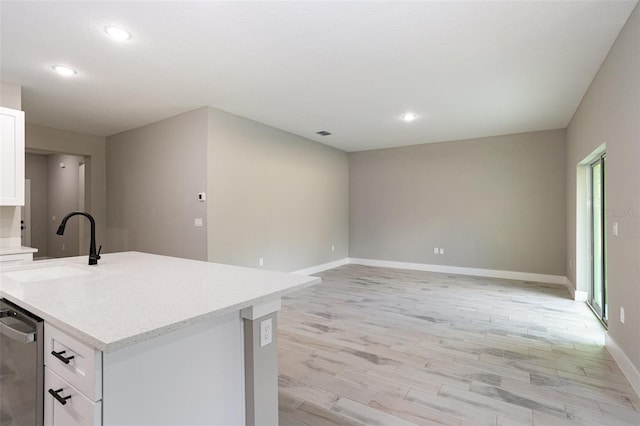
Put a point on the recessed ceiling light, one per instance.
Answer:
(65, 71)
(117, 33)
(409, 116)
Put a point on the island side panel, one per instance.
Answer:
(261, 373)
(192, 376)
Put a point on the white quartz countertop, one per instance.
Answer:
(17, 250)
(131, 297)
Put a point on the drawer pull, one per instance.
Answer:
(61, 399)
(62, 358)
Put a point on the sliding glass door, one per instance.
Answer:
(598, 285)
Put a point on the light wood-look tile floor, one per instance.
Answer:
(377, 346)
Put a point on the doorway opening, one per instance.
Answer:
(83, 241)
(597, 299)
(25, 216)
(58, 184)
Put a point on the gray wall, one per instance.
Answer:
(270, 194)
(610, 113)
(92, 148)
(155, 173)
(64, 196)
(274, 195)
(37, 170)
(10, 95)
(9, 225)
(491, 203)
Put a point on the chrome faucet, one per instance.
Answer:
(93, 255)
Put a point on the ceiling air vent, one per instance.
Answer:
(323, 133)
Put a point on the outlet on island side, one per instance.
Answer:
(266, 332)
(261, 262)
(622, 314)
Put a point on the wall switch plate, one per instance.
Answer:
(435, 250)
(441, 251)
(622, 314)
(261, 262)
(615, 228)
(266, 332)
(198, 222)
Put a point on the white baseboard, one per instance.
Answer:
(625, 364)
(320, 268)
(490, 273)
(578, 295)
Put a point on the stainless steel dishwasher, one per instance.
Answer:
(21, 367)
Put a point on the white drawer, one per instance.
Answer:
(77, 408)
(84, 370)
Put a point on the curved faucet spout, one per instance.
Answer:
(93, 254)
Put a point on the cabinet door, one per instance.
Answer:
(83, 370)
(11, 157)
(74, 409)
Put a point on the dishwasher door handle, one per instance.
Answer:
(12, 333)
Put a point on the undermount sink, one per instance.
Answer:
(46, 273)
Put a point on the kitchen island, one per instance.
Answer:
(155, 340)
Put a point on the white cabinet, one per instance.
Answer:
(192, 376)
(75, 362)
(11, 157)
(69, 407)
(72, 381)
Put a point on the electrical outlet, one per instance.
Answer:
(435, 250)
(266, 332)
(198, 222)
(621, 314)
(64, 247)
(441, 251)
(261, 262)
(333, 248)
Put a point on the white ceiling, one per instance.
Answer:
(468, 69)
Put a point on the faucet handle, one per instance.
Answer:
(99, 250)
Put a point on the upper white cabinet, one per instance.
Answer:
(11, 157)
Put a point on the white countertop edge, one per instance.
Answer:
(148, 335)
(17, 250)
